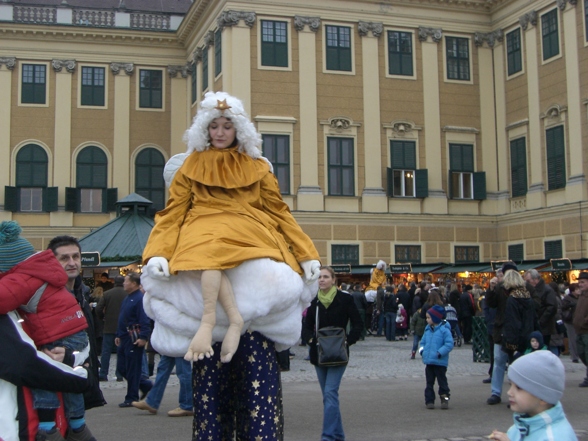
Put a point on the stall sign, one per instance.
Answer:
(401, 268)
(342, 268)
(561, 264)
(91, 258)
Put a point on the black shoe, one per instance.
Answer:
(125, 404)
(103, 378)
(494, 399)
(584, 383)
(487, 380)
(119, 379)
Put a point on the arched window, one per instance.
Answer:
(91, 194)
(149, 177)
(31, 193)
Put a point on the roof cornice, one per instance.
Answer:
(105, 35)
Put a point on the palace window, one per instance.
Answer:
(276, 148)
(34, 84)
(93, 86)
(274, 43)
(338, 47)
(400, 53)
(150, 89)
(514, 52)
(341, 167)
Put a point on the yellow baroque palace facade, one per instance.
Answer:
(403, 130)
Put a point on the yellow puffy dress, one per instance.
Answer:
(226, 208)
(225, 212)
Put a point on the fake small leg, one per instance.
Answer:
(201, 344)
(233, 335)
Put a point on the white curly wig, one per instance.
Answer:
(197, 136)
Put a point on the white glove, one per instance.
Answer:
(158, 268)
(312, 270)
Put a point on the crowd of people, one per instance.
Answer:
(207, 301)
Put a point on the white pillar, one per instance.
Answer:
(309, 196)
(535, 195)
(437, 200)
(122, 123)
(576, 183)
(180, 96)
(374, 199)
(5, 108)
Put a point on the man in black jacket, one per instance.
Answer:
(496, 297)
(108, 309)
(68, 252)
(545, 305)
(361, 305)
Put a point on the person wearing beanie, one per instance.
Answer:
(34, 285)
(537, 385)
(535, 343)
(436, 344)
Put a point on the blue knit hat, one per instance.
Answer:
(540, 373)
(437, 313)
(13, 248)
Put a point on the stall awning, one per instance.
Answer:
(525, 266)
(580, 265)
(470, 267)
(427, 268)
(116, 264)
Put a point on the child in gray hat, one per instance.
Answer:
(537, 384)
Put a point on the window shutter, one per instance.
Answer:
(480, 185)
(50, 199)
(556, 166)
(11, 199)
(390, 183)
(109, 198)
(72, 199)
(450, 185)
(421, 183)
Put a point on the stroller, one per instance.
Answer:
(451, 317)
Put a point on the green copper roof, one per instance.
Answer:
(124, 237)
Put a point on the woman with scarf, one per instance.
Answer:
(519, 316)
(335, 308)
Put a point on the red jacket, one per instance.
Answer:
(36, 286)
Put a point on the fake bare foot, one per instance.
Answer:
(201, 344)
(231, 342)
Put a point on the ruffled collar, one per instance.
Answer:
(226, 168)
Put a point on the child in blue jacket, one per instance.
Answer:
(436, 344)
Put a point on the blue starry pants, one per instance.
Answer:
(240, 400)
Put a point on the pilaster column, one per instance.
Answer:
(122, 123)
(485, 43)
(309, 196)
(180, 97)
(576, 183)
(502, 146)
(535, 195)
(6, 66)
(236, 30)
(62, 145)
(437, 200)
(374, 198)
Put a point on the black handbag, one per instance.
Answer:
(331, 345)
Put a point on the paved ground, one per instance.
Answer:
(381, 399)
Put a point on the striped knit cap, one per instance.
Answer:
(13, 248)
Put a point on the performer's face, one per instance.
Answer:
(222, 132)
